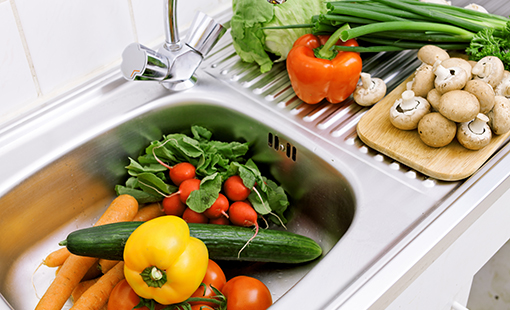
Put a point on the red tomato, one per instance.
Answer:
(247, 293)
(215, 277)
(123, 297)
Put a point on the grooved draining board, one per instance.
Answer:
(450, 163)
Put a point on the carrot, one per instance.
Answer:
(56, 258)
(81, 288)
(149, 212)
(144, 214)
(107, 264)
(93, 272)
(122, 208)
(97, 295)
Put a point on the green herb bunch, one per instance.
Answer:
(396, 25)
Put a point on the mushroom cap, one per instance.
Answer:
(423, 80)
(456, 79)
(458, 62)
(433, 97)
(483, 92)
(435, 130)
(472, 140)
(408, 119)
(489, 69)
(503, 88)
(459, 106)
(367, 95)
(429, 54)
(499, 116)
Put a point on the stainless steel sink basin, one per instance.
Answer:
(72, 190)
(61, 165)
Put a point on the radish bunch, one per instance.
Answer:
(204, 181)
(230, 207)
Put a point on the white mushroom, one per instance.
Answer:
(489, 69)
(458, 62)
(448, 79)
(503, 88)
(370, 91)
(459, 106)
(476, 7)
(407, 111)
(475, 134)
(499, 116)
(433, 98)
(435, 130)
(429, 54)
(483, 92)
(423, 80)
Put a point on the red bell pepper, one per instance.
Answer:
(323, 73)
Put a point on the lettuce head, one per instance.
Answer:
(264, 46)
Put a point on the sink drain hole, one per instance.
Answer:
(279, 145)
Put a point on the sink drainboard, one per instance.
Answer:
(335, 123)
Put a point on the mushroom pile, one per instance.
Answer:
(450, 97)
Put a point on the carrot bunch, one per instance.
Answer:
(89, 281)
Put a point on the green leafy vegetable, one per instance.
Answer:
(254, 44)
(487, 43)
(202, 199)
(215, 161)
(393, 25)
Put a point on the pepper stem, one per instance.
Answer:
(326, 51)
(153, 276)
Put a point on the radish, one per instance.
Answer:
(222, 220)
(235, 189)
(181, 172)
(191, 216)
(219, 208)
(242, 214)
(172, 205)
(186, 187)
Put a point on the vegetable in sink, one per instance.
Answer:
(196, 169)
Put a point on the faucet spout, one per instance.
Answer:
(175, 62)
(172, 42)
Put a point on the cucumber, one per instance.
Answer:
(222, 241)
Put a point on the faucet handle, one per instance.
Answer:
(205, 32)
(142, 63)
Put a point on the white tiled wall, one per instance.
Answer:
(48, 47)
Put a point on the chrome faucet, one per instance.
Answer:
(175, 62)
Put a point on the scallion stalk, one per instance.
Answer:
(408, 26)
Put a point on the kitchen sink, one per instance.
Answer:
(61, 166)
(73, 190)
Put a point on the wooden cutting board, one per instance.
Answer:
(450, 163)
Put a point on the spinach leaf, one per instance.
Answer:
(203, 198)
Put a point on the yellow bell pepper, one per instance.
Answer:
(163, 262)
